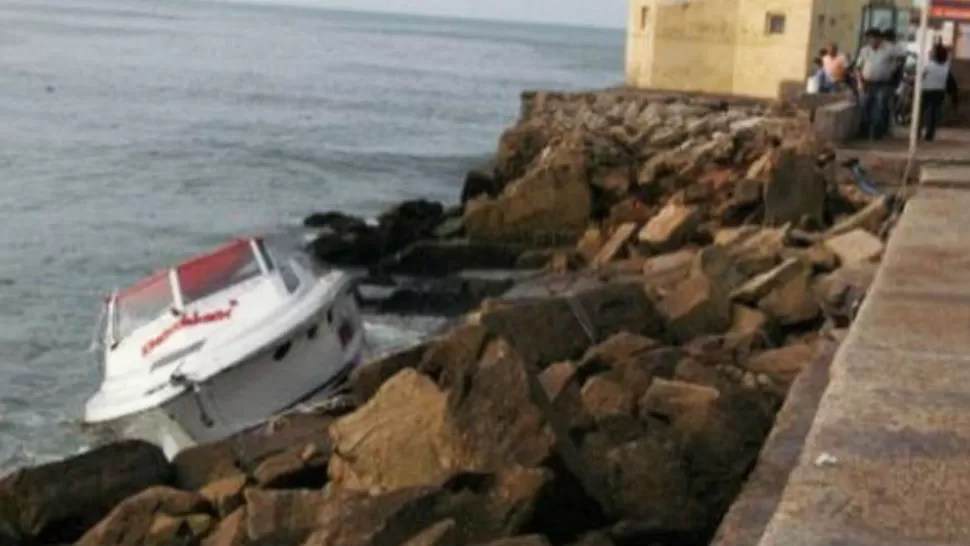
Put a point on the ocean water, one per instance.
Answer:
(137, 132)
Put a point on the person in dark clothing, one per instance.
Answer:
(938, 81)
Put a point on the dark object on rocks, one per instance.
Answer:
(480, 183)
(159, 516)
(407, 223)
(56, 503)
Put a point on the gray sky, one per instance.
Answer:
(606, 13)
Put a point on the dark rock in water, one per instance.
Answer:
(480, 183)
(56, 503)
(160, 516)
(451, 297)
(336, 221)
(408, 222)
(440, 258)
(244, 452)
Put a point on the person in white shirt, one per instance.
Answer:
(875, 66)
(937, 82)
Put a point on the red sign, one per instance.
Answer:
(187, 321)
(952, 10)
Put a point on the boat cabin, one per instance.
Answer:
(186, 286)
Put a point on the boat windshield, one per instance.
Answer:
(140, 304)
(222, 269)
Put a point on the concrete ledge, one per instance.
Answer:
(945, 176)
(893, 427)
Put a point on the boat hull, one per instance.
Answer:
(246, 394)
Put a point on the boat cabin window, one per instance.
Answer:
(222, 269)
(140, 304)
(267, 258)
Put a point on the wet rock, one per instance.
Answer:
(301, 466)
(56, 503)
(480, 183)
(855, 247)
(225, 495)
(552, 202)
(792, 302)
(407, 222)
(685, 406)
(159, 516)
(782, 365)
(407, 415)
(604, 399)
(549, 330)
(440, 258)
(345, 240)
(671, 228)
(231, 531)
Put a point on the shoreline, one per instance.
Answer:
(688, 256)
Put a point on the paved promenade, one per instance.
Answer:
(887, 459)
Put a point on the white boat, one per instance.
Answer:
(221, 342)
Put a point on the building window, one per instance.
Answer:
(774, 23)
(644, 12)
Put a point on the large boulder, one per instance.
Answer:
(518, 147)
(856, 247)
(792, 300)
(670, 228)
(562, 328)
(407, 222)
(551, 203)
(698, 306)
(160, 516)
(56, 503)
(795, 190)
(407, 415)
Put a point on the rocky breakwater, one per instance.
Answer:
(698, 252)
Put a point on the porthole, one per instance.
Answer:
(283, 350)
(312, 332)
(329, 317)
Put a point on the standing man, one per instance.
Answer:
(875, 72)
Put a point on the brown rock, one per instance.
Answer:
(684, 405)
(303, 466)
(551, 202)
(795, 189)
(231, 531)
(407, 415)
(604, 399)
(548, 330)
(619, 347)
(870, 219)
(820, 258)
(225, 495)
(782, 365)
(792, 302)
(840, 291)
(590, 243)
(242, 453)
(157, 516)
(697, 306)
(749, 330)
(518, 147)
(631, 209)
(614, 182)
(562, 386)
(746, 253)
(615, 245)
(669, 268)
(693, 370)
(761, 285)
(530, 540)
(857, 246)
(442, 533)
(670, 228)
(367, 378)
(56, 503)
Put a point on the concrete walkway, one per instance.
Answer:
(887, 460)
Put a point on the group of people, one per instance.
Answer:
(876, 75)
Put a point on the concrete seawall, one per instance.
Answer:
(887, 459)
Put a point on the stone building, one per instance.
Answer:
(751, 48)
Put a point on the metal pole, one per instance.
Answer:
(918, 87)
